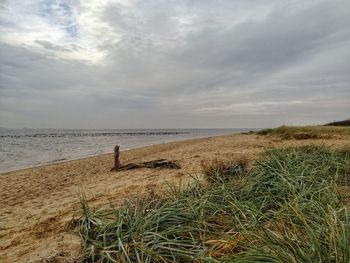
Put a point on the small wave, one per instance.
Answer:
(58, 160)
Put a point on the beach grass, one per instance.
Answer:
(285, 207)
(306, 132)
(339, 123)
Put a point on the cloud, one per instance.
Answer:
(174, 63)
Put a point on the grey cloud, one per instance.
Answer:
(279, 41)
(51, 46)
(230, 64)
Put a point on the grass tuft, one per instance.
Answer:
(223, 171)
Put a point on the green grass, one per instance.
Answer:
(307, 222)
(339, 123)
(285, 208)
(306, 132)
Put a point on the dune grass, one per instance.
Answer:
(306, 132)
(339, 123)
(285, 208)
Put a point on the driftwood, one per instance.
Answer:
(116, 158)
(161, 163)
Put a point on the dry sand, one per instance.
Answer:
(37, 204)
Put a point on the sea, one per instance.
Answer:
(24, 148)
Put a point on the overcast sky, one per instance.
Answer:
(173, 64)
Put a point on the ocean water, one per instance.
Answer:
(22, 148)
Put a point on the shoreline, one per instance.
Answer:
(108, 153)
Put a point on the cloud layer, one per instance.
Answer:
(158, 64)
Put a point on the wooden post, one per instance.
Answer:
(116, 158)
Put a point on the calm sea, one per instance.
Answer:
(22, 148)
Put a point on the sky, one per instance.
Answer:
(173, 64)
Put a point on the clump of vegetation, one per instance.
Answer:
(306, 132)
(268, 131)
(223, 171)
(339, 123)
(284, 209)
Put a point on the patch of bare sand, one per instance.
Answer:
(37, 204)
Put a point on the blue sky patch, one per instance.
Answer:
(60, 13)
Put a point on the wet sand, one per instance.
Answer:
(37, 204)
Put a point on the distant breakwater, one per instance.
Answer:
(62, 135)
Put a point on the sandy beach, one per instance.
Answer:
(38, 203)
